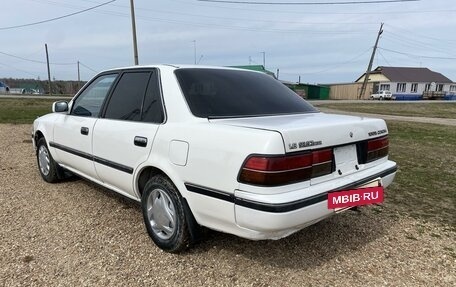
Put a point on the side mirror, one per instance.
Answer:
(59, 107)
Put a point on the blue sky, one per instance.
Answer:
(320, 43)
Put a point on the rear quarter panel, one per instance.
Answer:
(215, 156)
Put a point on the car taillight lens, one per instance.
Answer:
(287, 169)
(377, 148)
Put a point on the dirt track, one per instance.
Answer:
(76, 234)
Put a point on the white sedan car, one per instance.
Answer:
(382, 95)
(227, 149)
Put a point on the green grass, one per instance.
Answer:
(433, 110)
(425, 185)
(23, 111)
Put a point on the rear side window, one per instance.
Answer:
(152, 111)
(127, 99)
(219, 93)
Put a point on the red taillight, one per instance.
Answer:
(322, 163)
(377, 148)
(280, 170)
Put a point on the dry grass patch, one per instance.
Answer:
(425, 184)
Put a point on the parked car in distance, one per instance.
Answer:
(223, 148)
(382, 95)
(4, 88)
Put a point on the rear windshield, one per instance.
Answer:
(218, 93)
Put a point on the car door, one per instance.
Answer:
(123, 137)
(73, 132)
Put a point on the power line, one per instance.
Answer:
(409, 43)
(421, 35)
(56, 18)
(405, 37)
(334, 66)
(315, 12)
(307, 3)
(87, 67)
(386, 61)
(230, 18)
(227, 27)
(34, 61)
(244, 28)
(352, 60)
(12, 67)
(418, 56)
(398, 71)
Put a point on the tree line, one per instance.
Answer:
(30, 86)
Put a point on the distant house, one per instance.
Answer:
(408, 81)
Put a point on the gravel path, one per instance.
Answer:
(76, 234)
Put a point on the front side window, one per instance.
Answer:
(427, 88)
(453, 88)
(439, 88)
(89, 102)
(414, 88)
(220, 93)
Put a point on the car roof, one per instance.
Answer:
(175, 67)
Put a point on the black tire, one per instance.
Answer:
(164, 215)
(50, 172)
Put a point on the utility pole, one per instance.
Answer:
(264, 59)
(194, 51)
(369, 67)
(133, 27)
(49, 70)
(79, 77)
(277, 74)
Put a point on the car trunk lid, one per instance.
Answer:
(314, 130)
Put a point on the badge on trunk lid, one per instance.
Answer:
(304, 144)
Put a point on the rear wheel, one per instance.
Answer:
(48, 168)
(164, 215)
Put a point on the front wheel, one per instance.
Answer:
(164, 215)
(49, 169)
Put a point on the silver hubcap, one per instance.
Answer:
(43, 160)
(161, 214)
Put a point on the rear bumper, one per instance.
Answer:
(272, 217)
